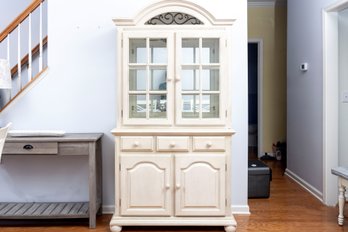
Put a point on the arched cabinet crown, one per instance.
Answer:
(184, 7)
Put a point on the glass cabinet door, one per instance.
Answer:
(146, 78)
(199, 78)
(170, 75)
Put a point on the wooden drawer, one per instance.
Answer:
(169, 143)
(143, 143)
(73, 148)
(41, 148)
(209, 143)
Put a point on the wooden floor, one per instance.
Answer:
(289, 209)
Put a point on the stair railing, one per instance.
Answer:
(19, 32)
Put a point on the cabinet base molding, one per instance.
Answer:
(117, 222)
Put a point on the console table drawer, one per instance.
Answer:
(46, 148)
(73, 148)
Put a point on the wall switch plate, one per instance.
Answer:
(344, 96)
(304, 67)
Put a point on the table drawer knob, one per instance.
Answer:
(28, 147)
(172, 144)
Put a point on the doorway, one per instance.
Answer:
(334, 102)
(254, 101)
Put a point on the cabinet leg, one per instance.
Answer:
(230, 228)
(115, 228)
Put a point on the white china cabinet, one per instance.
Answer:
(173, 134)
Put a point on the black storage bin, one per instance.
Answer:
(259, 177)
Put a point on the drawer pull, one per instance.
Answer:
(136, 144)
(172, 144)
(28, 147)
(209, 144)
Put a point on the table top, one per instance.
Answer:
(68, 137)
(340, 171)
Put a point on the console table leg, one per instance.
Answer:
(341, 201)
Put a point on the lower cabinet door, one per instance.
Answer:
(200, 184)
(146, 185)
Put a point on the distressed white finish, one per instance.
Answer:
(200, 185)
(173, 170)
(146, 184)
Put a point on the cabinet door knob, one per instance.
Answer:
(177, 186)
(209, 144)
(167, 186)
(136, 144)
(172, 144)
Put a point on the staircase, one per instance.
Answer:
(24, 44)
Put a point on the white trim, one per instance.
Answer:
(263, 3)
(259, 43)
(240, 209)
(235, 209)
(337, 6)
(315, 192)
(174, 6)
(108, 209)
(330, 99)
(267, 3)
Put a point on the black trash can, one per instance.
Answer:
(259, 177)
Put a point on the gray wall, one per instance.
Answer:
(305, 91)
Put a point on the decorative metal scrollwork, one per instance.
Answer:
(174, 18)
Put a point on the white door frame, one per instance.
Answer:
(259, 43)
(330, 99)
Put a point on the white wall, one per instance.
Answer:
(10, 9)
(305, 92)
(343, 86)
(79, 95)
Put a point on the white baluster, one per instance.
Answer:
(41, 50)
(29, 54)
(9, 92)
(8, 48)
(19, 71)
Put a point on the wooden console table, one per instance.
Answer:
(87, 144)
